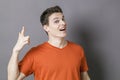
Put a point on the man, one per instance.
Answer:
(56, 59)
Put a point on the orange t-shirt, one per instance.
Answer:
(47, 62)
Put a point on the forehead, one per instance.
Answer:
(56, 16)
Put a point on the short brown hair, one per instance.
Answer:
(44, 18)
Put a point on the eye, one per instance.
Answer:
(63, 19)
(56, 21)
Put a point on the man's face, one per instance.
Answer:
(56, 26)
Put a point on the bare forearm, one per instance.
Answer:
(85, 76)
(13, 70)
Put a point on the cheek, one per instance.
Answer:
(53, 28)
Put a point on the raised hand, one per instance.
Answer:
(22, 40)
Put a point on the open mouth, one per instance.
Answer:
(63, 29)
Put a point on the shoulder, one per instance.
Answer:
(75, 45)
(77, 48)
(35, 49)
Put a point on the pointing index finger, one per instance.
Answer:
(23, 30)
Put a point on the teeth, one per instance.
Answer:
(62, 29)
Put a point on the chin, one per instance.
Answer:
(62, 36)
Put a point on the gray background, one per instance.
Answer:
(95, 24)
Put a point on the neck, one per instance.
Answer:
(58, 42)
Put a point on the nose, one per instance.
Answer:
(63, 22)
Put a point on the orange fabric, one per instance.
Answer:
(47, 62)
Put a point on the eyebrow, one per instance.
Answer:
(57, 17)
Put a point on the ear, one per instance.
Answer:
(46, 28)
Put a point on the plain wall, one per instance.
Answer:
(94, 24)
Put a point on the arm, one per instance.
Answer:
(85, 76)
(13, 69)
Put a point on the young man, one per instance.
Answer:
(56, 59)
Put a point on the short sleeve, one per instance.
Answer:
(84, 66)
(26, 64)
